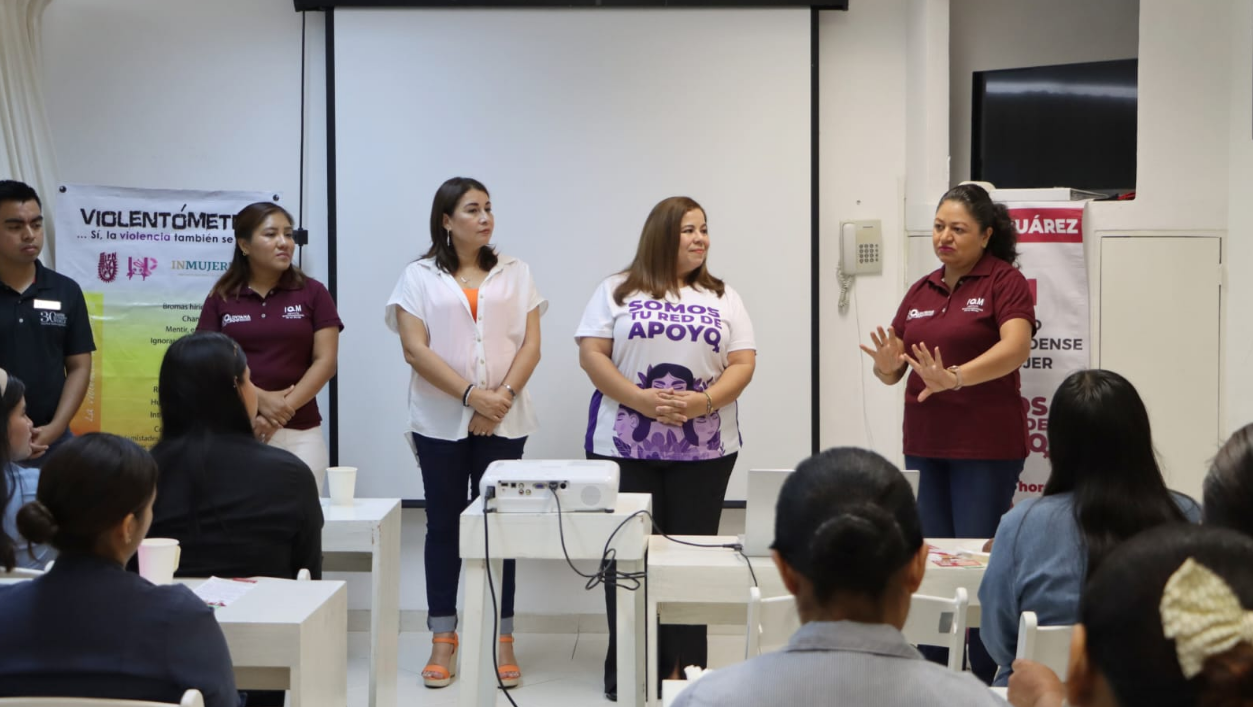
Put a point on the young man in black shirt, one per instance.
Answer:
(45, 335)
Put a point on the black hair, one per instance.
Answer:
(1101, 451)
(846, 519)
(988, 214)
(1228, 489)
(1121, 614)
(13, 190)
(445, 203)
(199, 387)
(13, 392)
(86, 488)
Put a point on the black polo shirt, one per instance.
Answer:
(38, 329)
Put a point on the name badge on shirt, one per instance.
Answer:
(48, 304)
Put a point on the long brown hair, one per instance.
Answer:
(445, 203)
(654, 269)
(247, 221)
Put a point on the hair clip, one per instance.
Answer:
(1203, 616)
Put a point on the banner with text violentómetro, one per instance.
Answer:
(1050, 252)
(145, 259)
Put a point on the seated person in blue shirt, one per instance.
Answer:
(848, 545)
(89, 628)
(1164, 622)
(17, 483)
(1104, 487)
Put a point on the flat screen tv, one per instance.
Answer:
(1069, 125)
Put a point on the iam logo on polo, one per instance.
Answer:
(294, 311)
(974, 304)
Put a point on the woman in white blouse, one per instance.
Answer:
(469, 323)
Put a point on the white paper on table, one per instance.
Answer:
(216, 591)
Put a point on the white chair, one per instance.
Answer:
(771, 622)
(1049, 645)
(191, 698)
(934, 621)
(20, 573)
(670, 690)
(303, 575)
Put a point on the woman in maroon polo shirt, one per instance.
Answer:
(286, 324)
(964, 330)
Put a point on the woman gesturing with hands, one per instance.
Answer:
(965, 429)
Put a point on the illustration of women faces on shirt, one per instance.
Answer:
(637, 436)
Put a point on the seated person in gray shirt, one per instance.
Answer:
(87, 627)
(1164, 622)
(849, 547)
(1104, 487)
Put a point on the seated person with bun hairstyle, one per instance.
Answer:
(849, 547)
(89, 628)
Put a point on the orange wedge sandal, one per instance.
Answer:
(510, 675)
(437, 675)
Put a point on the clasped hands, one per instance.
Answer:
(273, 412)
(889, 353)
(490, 407)
(669, 406)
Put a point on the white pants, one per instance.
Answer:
(309, 446)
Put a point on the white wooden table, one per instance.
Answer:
(289, 635)
(695, 585)
(365, 537)
(535, 536)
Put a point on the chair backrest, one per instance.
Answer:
(191, 698)
(303, 575)
(1049, 645)
(771, 622)
(935, 621)
(20, 573)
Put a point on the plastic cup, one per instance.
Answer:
(158, 559)
(343, 482)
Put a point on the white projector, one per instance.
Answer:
(527, 486)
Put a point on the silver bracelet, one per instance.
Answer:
(509, 388)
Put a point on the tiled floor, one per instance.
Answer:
(559, 670)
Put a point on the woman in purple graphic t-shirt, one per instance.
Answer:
(670, 349)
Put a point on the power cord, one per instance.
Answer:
(631, 581)
(490, 493)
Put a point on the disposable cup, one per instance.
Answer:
(158, 559)
(343, 483)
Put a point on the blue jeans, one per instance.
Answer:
(964, 498)
(449, 469)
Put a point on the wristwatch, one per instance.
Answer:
(512, 392)
(956, 371)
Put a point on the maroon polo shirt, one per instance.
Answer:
(985, 421)
(276, 333)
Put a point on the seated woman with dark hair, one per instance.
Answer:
(238, 507)
(1164, 622)
(1228, 489)
(1104, 487)
(17, 483)
(849, 547)
(88, 628)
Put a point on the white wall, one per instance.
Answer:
(1238, 251)
(995, 34)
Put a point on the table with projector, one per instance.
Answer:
(521, 522)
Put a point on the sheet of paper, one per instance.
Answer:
(943, 558)
(218, 592)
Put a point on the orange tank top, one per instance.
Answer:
(472, 296)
